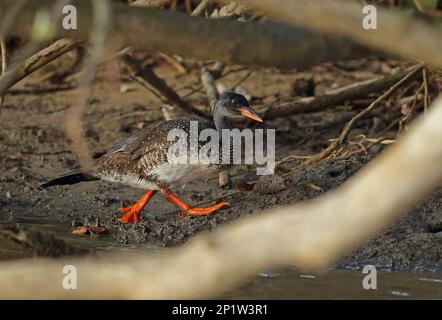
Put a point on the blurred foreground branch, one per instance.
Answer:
(232, 42)
(398, 32)
(74, 119)
(308, 235)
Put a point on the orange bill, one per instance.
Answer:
(250, 114)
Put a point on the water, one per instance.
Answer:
(103, 244)
(287, 283)
(292, 284)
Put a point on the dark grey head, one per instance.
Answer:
(232, 104)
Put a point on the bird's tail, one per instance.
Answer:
(70, 178)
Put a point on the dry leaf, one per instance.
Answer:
(80, 230)
(88, 230)
(97, 230)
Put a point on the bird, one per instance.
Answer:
(141, 160)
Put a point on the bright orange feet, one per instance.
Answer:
(187, 209)
(132, 213)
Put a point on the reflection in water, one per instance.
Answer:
(281, 284)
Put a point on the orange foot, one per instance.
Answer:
(187, 209)
(132, 213)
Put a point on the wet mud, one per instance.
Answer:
(35, 147)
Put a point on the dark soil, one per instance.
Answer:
(34, 147)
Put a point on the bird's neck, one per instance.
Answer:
(221, 121)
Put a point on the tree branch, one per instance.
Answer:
(246, 43)
(398, 32)
(147, 77)
(38, 60)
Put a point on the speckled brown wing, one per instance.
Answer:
(141, 153)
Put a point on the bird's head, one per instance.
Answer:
(232, 104)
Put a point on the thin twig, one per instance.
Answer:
(224, 196)
(406, 118)
(200, 8)
(292, 158)
(178, 66)
(199, 87)
(3, 66)
(367, 148)
(427, 100)
(376, 103)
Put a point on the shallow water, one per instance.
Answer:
(292, 284)
(287, 283)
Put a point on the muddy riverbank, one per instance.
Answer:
(34, 147)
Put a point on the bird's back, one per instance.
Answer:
(144, 157)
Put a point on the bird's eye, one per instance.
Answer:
(236, 101)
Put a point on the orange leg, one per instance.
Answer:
(188, 209)
(132, 213)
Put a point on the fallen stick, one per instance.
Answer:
(309, 235)
(148, 78)
(35, 62)
(335, 97)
